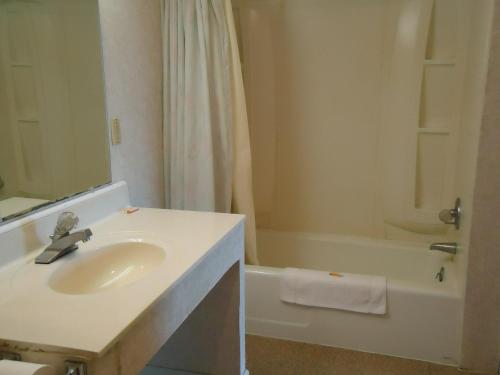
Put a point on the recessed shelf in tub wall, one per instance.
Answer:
(439, 122)
(439, 62)
(21, 65)
(28, 120)
(433, 130)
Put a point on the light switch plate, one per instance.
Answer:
(116, 133)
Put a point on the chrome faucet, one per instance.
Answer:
(453, 215)
(63, 242)
(447, 247)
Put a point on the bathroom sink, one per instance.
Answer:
(112, 266)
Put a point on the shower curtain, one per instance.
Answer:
(206, 135)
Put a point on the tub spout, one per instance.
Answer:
(447, 247)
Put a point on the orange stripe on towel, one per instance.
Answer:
(336, 274)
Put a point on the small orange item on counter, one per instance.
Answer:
(336, 274)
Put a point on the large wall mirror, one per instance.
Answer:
(53, 127)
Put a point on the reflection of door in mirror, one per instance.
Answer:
(53, 135)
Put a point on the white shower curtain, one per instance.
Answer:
(206, 136)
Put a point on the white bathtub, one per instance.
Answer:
(423, 316)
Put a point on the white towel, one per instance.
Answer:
(345, 291)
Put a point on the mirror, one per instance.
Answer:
(53, 126)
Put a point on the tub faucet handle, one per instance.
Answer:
(452, 215)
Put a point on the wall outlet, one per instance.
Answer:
(116, 132)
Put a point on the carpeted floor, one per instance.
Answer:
(267, 356)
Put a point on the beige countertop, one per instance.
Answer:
(33, 314)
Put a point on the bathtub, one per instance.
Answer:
(423, 317)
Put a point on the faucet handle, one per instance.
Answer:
(452, 216)
(66, 222)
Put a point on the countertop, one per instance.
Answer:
(31, 313)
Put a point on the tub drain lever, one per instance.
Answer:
(440, 275)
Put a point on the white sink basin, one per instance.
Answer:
(107, 267)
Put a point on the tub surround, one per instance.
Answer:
(120, 329)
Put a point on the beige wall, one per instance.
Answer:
(133, 74)
(314, 98)
(481, 331)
